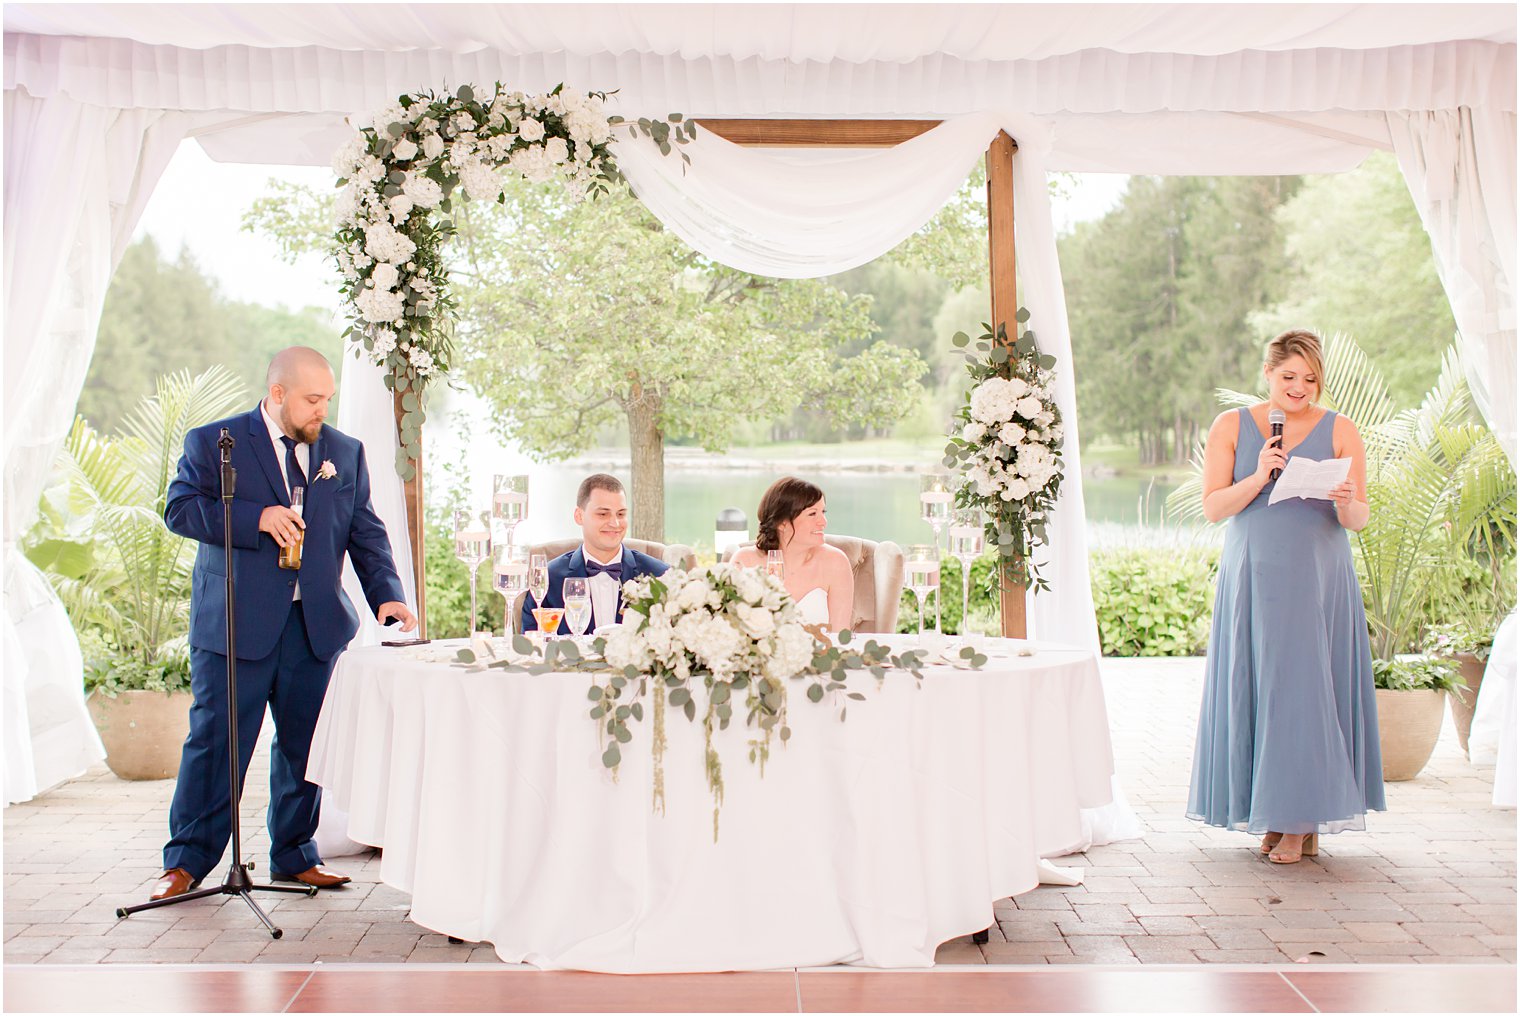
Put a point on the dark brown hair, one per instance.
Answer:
(1298, 343)
(786, 499)
(596, 481)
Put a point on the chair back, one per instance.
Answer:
(677, 555)
(877, 568)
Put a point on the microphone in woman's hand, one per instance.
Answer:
(1277, 418)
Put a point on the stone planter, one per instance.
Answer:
(1463, 703)
(1409, 723)
(143, 731)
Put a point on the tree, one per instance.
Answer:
(162, 315)
(1360, 263)
(576, 314)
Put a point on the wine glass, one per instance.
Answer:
(472, 545)
(538, 578)
(577, 605)
(510, 573)
(922, 566)
(509, 501)
(965, 547)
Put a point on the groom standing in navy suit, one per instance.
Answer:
(601, 510)
(291, 624)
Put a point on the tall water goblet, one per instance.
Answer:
(472, 545)
(577, 605)
(922, 567)
(509, 569)
(509, 501)
(934, 498)
(965, 546)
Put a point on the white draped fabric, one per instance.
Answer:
(76, 180)
(1492, 740)
(1460, 167)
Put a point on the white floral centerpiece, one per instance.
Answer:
(401, 175)
(1008, 446)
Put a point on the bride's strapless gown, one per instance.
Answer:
(814, 607)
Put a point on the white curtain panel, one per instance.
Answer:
(1460, 168)
(76, 180)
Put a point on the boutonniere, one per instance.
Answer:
(327, 471)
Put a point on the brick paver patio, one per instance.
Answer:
(1432, 881)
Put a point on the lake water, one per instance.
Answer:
(874, 505)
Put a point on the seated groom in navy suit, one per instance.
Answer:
(291, 625)
(601, 510)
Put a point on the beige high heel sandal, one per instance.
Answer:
(1269, 842)
(1308, 848)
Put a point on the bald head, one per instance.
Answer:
(301, 385)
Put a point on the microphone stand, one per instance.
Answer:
(238, 882)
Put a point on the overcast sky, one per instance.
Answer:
(200, 204)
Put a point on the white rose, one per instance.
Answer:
(1018, 387)
(405, 150)
(385, 276)
(1016, 490)
(400, 207)
(1028, 407)
(973, 432)
(557, 150)
(757, 621)
(1010, 433)
(530, 130)
(432, 146)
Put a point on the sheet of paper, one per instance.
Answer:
(1310, 478)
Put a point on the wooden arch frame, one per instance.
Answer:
(845, 134)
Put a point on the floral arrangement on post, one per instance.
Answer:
(402, 174)
(1007, 442)
(713, 642)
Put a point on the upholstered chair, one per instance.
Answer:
(878, 571)
(677, 555)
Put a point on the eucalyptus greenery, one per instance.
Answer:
(618, 696)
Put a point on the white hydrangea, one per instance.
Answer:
(348, 155)
(480, 181)
(384, 342)
(383, 242)
(422, 360)
(792, 651)
(380, 305)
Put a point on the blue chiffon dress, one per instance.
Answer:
(1287, 734)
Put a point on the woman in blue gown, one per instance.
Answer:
(1287, 735)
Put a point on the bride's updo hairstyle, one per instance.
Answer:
(1298, 343)
(786, 499)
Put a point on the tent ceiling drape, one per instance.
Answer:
(1148, 88)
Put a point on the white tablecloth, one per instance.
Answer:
(867, 841)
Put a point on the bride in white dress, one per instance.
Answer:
(792, 520)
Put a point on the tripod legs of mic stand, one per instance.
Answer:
(237, 884)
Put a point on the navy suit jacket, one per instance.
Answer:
(573, 565)
(339, 520)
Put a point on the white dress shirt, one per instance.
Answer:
(603, 589)
(303, 457)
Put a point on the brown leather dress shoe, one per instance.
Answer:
(174, 882)
(319, 876)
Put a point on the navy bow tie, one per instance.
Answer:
(615, 569)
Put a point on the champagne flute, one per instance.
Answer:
(538, 578)
(577, 605)
(775, 564)
(965, 547)
(509, 501)
(472, 545)
(510, 573)
(922, 566)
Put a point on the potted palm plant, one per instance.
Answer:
(1438, 484)
(123, 576)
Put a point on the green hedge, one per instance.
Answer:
(1154, 601)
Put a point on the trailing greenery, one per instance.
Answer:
(1153, 601)
(123, 577)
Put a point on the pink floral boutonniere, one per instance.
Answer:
(327, 470)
